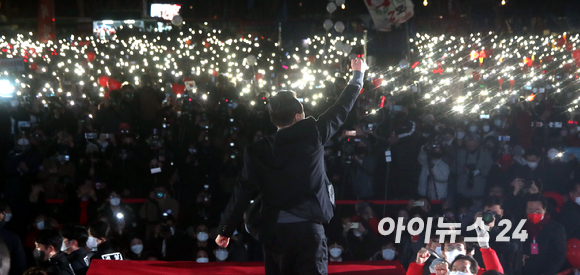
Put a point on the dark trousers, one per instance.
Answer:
(297, 248)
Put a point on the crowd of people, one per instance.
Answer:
(145, 175)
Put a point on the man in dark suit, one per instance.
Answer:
(287, 170)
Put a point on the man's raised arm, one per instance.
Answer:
(329, 122)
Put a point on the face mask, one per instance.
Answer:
(438, 251)
(40, 225)
(115, 201)
(192, 151)
(92, 242)
(450, 256)
(221, 254)
(137, 249)
(449, 142)
(532, 165)
(465, 122)
(335, 252)
(458, 273)
(356, 233)
(39, 255)
(460, 135)
(63, 247)
(202, 260)
(497, 122)
(535, 217)
(23, 142)
(473, 129)
(437, 128)
(202, 236)
(7, 217)
(388, 254)
(485, 128)
(577, 200)
(104, 144)
(552, 153)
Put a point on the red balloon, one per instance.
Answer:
(576, 54)
(567, 67)
(560, 42)
(549, 58)
(215, 73)
(488, 52)
(259, 76)
(569, 47)
(476, 76)
(33, 66)
(311, 59)
(573, 244)
(177, 88)
(114, 84)
(577, 62)
(377, 82)
(573, 256)
(91, 56)
(103, 80)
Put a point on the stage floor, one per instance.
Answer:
(167, 268)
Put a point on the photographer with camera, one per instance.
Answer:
(492, 214)
(159, 205)
(473, 164)
(434, 176)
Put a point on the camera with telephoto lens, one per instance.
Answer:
(488, 216)
(349, 149)
(434, 147)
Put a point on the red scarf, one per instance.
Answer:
(534, 229)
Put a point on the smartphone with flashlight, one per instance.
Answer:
(350, 133)
(483, 116)
(354, 225)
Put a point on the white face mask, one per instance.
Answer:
(450, 256)
(202, 260)
(458, 273)
(388, 254)
(202, 236)
(532, 165)
(137, 249)
(7, 217)
(460, 135)
(438, 251)
(335, 252)
(356, 233)
(497, 122)
(40, 225)
(552, 153)
(437, 128)
(23, 142)
(115, 201)
(486, 128)
(449, 142)
(221, 254)
(63, 247)
(473, 129)
(92, 242)
(192, 151)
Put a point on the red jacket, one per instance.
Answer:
(489, 259)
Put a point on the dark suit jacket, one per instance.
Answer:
(287, 169)
(551, 241)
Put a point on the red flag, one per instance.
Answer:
(46, 21)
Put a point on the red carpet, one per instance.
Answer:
(170, 268)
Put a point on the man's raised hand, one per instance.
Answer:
(358, 64)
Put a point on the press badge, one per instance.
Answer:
(534, 247)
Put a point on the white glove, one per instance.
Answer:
(482, 238)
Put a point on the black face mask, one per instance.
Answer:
(38, 255)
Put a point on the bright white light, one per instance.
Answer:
(6, 89)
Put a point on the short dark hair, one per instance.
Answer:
(76, 232)
(49, 237)
(283, 107)
(537, 197)
(533, 152)
(458, 239)
(490, 201)
(474, 266)
(100, 229)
